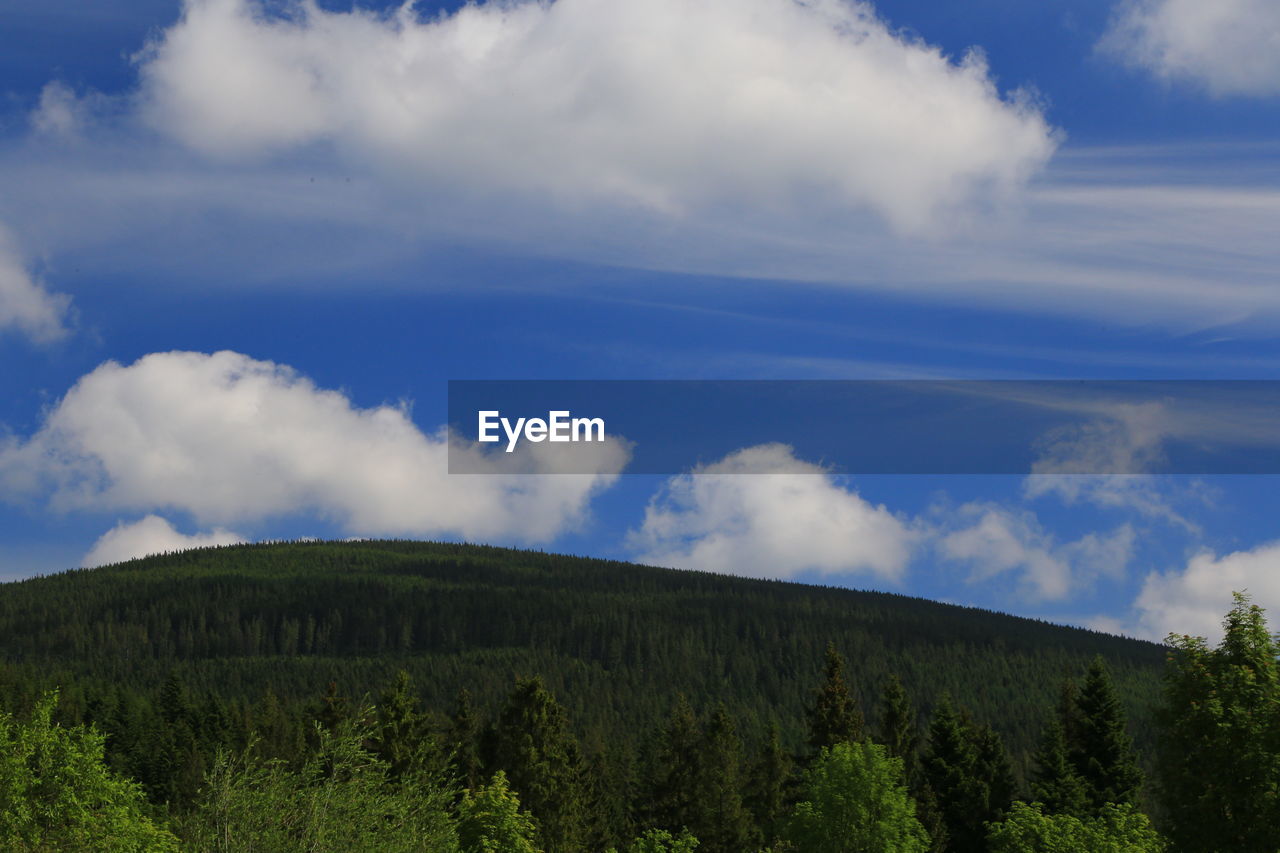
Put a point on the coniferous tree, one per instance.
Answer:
(542, 762)
(1054, 782)
(1100, 747)
(724, 825)
(968, 772)
(835, 716)
(464, 737)
(898, 726)
(402, 737)
(675, 774)
(769, 784)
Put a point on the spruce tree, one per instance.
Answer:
(535, 747)
(968, 772)
(1100, 748)
(835, 716)
(898, 726)
(674, 776)
(723, 824)
(464, 737)
(769, 784)
(1054, 782)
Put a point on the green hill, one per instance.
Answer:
(615, 642)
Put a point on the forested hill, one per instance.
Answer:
(615, 642)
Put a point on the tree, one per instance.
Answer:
(661, 841)
(769, 783)
(56, 793)
(723, 824)
(854, 801)
(968, 773)
(464, 732)
(1219, 757)
(535, 747)
(835, 716)
(1100, 748)
(1116, 829)
(490, 820)
(675, 773)
(1054, 782)
(403, 736)
(898, 725)
(343, 797)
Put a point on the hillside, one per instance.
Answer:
(614, 641)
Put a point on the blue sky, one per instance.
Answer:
(356, 207)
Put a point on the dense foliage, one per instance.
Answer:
(487, 700)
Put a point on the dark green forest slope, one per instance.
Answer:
(615, 642)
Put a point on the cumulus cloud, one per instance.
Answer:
(669, 105)
(995, 540)
(230, 439)
(1228, 47)
(150, 535)
(25, 304)
(1194, 599)
(761, 512)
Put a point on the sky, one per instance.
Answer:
(246, 244)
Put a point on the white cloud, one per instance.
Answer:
(150, 535)
(230, 439)
(24, 303)
(761, 512)
(669, 105)
(1195, 599)
(1228, 47)
(994, 540)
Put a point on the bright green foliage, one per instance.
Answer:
(968, 772)
(1116, 829)
(1219, 760)
(898, 725)
(490, 820)
(57, 795)
(1055, 783)
(769, 784)
(661, 841)
(854, 801)
(1100, 748)
(341, 799)
(535, 746)
(835, 716)
(723, 823)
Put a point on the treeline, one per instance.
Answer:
(391, 775)
(258, 625)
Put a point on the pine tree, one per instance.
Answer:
(1054, 782)
(723, 825)
(835, 716)
(898, 726)
(1100, 748)
(541, 758)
